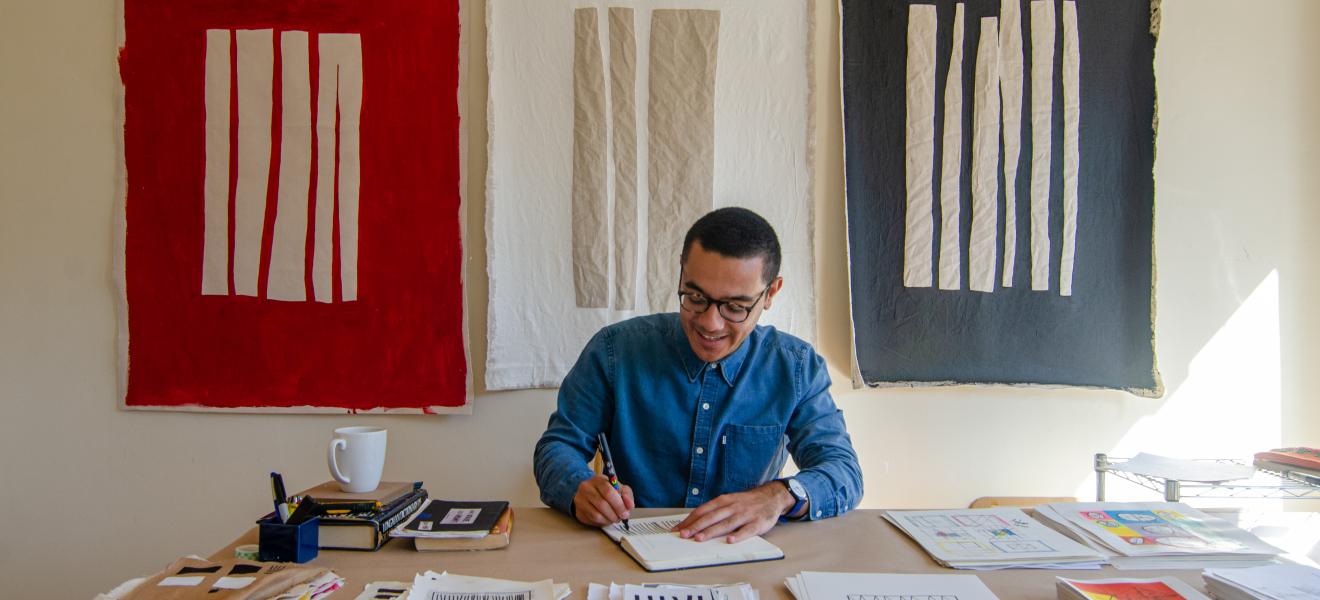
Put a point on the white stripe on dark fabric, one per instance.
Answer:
(256, 65)
(1071, 119)
(951, 165)
(1042, 100)
(215, 186)
(918, 241)
(346, 51)
(982, 250)
(1010, 90)
(286, 280)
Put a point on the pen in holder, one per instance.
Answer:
(288, 542)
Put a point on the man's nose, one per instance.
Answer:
(711, 319)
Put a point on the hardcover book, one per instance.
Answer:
(498, 537)
(367, 530)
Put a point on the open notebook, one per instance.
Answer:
(654, 545)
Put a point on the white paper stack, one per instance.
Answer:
(1165, 588)
(817, 585)
(431, 585)
(1271, 582)
(1157, 535)
(648, 591)
(992, 538)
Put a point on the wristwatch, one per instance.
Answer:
(798, 492)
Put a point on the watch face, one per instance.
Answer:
(797, 490)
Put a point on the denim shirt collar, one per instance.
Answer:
(692, 366)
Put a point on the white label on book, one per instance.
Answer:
(461, 516)
(181, 581)
(233, 583)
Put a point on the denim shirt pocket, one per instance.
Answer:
(752, 454)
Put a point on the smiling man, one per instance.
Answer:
(703, 407)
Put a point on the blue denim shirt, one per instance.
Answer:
(683, 432)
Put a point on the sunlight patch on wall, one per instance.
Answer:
(1230, 406)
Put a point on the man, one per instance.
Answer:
(701, 408)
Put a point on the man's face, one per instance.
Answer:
(718, 277)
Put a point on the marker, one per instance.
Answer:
(609, 468)
(281, 499)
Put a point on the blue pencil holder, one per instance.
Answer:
(281, 542)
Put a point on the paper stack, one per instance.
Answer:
(1164, 588)
(992, 538)
(648, 591)
(1157, 535)
(1270, 582)
(817, 585)
(443, 585)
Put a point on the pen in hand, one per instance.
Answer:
(609, 469)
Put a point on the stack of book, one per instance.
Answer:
(1156, 535)
(360, 521)
(992, 538)
(1163, 588)
(454, 525)
(1302, 464)
(1271, 582)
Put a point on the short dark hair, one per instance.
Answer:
(736, 232)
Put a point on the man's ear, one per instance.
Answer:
(774, 289)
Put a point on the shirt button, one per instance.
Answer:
(705, 406)
(701, 450)
(817, 513)
(695, 491)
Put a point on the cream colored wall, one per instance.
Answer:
(94, 495)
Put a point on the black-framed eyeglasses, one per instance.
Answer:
(697, 303)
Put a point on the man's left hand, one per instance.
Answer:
(739, 516)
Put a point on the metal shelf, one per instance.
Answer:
(1262, 485)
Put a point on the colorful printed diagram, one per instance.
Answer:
(1157, 528)
(1147, 590)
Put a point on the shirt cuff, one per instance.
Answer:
(822, 503)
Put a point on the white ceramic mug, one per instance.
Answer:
(356, 457)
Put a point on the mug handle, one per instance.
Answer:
(330, 459)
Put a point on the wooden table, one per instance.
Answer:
(549, 545)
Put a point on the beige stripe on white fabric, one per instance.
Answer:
(590, 224)
(289, 242)
(982, 249)
(681, 139)
(951, 165)
(1042, 100)
(919, 233)
(215, 185)
(1010, 90)
(1072, 109)
(623, 106)
(256, 66)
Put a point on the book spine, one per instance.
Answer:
(406, 511)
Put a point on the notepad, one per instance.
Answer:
(652, 543)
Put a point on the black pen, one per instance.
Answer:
(281, 499)
(609, 468)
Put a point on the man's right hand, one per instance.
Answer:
(597, 503)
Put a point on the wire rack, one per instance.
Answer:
(1264, 484)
